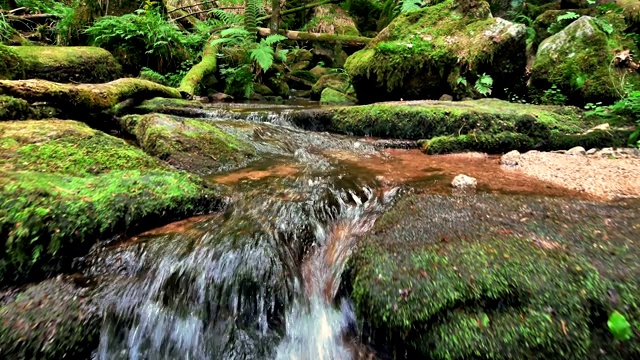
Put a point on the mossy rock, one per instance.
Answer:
(262, 89)
(279, 87)
(320, 71)
(331, 96)
(331, 19)
(64, 185)
(19, 109)
(9, 62)
(335, 81)
(301, 79)
(297, 56)
(579, 61)
(496, 277)
(81, 64)
(51, 320)
(423, 54)
(547, 24)
(302, 65)
(195, 145)
(427, 119)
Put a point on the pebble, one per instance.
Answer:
(463, 181)
(511, 158)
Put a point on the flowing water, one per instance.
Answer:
(261, 279)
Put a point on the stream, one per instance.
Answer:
(262, 279)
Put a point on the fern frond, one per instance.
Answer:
(282, 54)
(263, 55)
(273, 39)
(410, 5)
(234, 32)
(568, 16)
(251, 18)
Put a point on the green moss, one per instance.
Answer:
(82, 64)
(330, 96)
(578, 60)
(427, 119)
(336, 81)
(413, 57)
(64, 185)
(49, 321)
(196, 145)
(331, 19)
(14, 109)
(498, 278)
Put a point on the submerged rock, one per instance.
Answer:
(579, 62)
(63, 186)
(499, 278)
(425, 53)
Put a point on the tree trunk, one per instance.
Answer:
(330, 38)
(85, 97)
(205, 67)
(275, 16)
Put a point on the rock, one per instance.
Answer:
(18, 109)
(301, 93)
(297, 56)
(462, 181)
(262, 89)
(578, 61)
(577, 151)
(335, 81)
(446, 97)
(50, 320)
(220, 97)
(301, 79)
(422, 53)
(331, 19)
(330, 96)
(279, 87)
(606, 153)
(320, 71)
(524, 254)
(591, 151)
(64, 186)
(64, 64)
(547, 24)
(512, 158)
(302, 65)
(199, 146)
(602, 127)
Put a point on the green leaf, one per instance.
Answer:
(619, 326)
(568, 16)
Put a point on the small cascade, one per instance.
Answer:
(257, 282)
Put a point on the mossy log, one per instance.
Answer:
(80, 64)
(355, 41)
(206, 66)
(86, 97)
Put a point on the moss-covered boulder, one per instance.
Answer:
(331, 19)
(199, 146)
(331, 96)
(51, 320)
(494, 277)
(579, 62)
(9, 61)
(547, 23)
(19, 109)
(441, 49)
(336, 81)
(64, 185)
(279, 87)
(81, 64)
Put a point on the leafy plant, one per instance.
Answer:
(570, 15)
(619, 326)
(553, 96)
(461, 81)
(562, 21)
(483, 84)
(5, 29)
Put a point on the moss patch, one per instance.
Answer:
(578, 60)
(18, 109)
(64, 185)
(330, 96)
(50, 320)
(336, 81)
(331, 19)
(195, 145)
(421, 54)
(499, 278)
(81, 64)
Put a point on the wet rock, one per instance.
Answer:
(51, 320)
(422, 53)
(65, 186)
(581, 54)
(488, 272)
(577, 151)
(511, 158)
(463, 182)
(220, 97)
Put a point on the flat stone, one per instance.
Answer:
(592, 151)
(462, 181)
(511, 158)
(577, 151)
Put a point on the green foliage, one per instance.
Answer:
(553, 96)
(567, 16)
(5, 29)
(619, 326)
(483, 84)
(250, 18)
(146, 38)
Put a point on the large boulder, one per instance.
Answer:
(497, 277)
(78, 64)
(331, 19)
(63, 186)
(579, 61)
(336, 81)
(440, 49)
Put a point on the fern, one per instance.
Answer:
(410, 5)
(263, 55)
(273, 39)
(568, 16)
(483, 84)
(251, 18)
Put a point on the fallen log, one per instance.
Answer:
(329, 38)
(85, 97)
(300, 8)
(206, 66)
